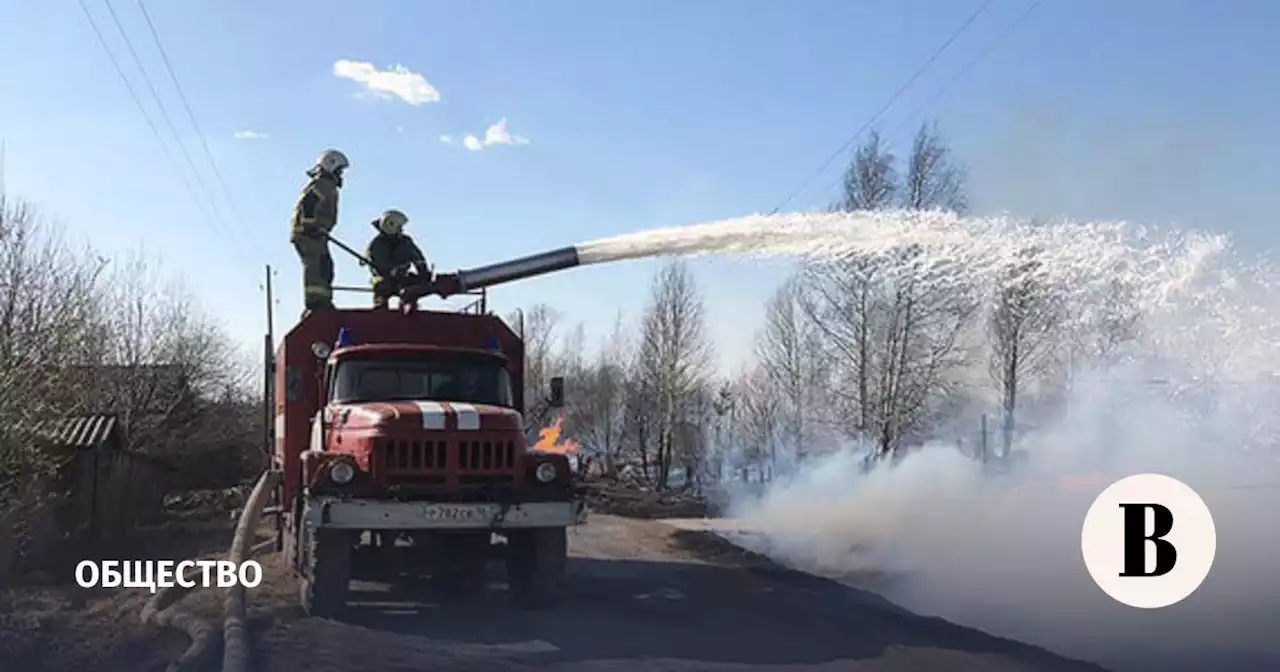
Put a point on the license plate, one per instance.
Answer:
(453, 512)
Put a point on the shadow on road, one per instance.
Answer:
(751, 612)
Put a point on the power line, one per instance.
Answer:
(986, 51)
(137, 101)
(182, 96)
(155, 131)
(164, 113)
(849, 143)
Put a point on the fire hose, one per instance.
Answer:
(235, 645)
(162, 609)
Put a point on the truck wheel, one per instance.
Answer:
(536, 560)
(326, 572)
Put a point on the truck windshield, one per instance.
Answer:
(473, 381)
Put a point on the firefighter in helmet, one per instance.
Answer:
(314, 217)
(393, 254)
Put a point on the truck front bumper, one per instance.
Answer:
(383, 515)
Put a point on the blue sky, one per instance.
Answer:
(637, 114)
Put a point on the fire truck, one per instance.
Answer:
(400, 440)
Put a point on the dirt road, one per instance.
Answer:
(643, 596)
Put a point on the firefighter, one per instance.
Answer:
(394, 254)
(314, 217)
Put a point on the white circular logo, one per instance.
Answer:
(1148, 541)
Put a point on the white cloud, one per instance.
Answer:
(397, 81)
(497, 134)
(446, 139)
(399, 129)
(251, 135)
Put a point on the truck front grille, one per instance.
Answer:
(462, 463)
(410, 456)
(486, 455)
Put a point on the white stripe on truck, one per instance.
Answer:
(432, 414)
(280, 427)
(468, 416)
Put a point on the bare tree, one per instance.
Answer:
(1022, 326)
(889, 323)
(81, 334)
(788, 354)
(47, 324)
(159, 360)
(674, 357)
(723, 405)
(889, 326)
(537, 326)
(600, 412)
(839, 301)
(871, 180)
(932, 179)
(761, 415)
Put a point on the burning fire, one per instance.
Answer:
(549, 440)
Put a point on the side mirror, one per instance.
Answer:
(556, 400)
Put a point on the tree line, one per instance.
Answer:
(882, 352)
(82, 334)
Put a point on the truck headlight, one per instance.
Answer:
(321, 350)
(342, 473)
(546, 472)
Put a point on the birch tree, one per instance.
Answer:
(674, 358)
(871, 180)
(1022, 328)
(933, 179)
(889, 323)
(787, 352)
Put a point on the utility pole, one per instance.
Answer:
(268, 355)
(268, 403)
(271, 331)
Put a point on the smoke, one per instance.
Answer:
(1001, 552)
(1195, 398)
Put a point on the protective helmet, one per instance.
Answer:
(332, 161)
(391, 222)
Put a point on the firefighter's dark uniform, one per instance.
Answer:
(314, 216)
(392, 256)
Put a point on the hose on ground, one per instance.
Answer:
(235, 646)
(161, 609)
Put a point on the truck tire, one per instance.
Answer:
(326, 572)
(536, 559)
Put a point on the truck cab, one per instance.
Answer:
(401, 442)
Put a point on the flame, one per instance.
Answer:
(549, 440)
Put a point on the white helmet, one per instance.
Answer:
(391, 222)
(332, 162)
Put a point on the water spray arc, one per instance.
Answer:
(1209, 329)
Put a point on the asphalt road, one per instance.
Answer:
(642, 596)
